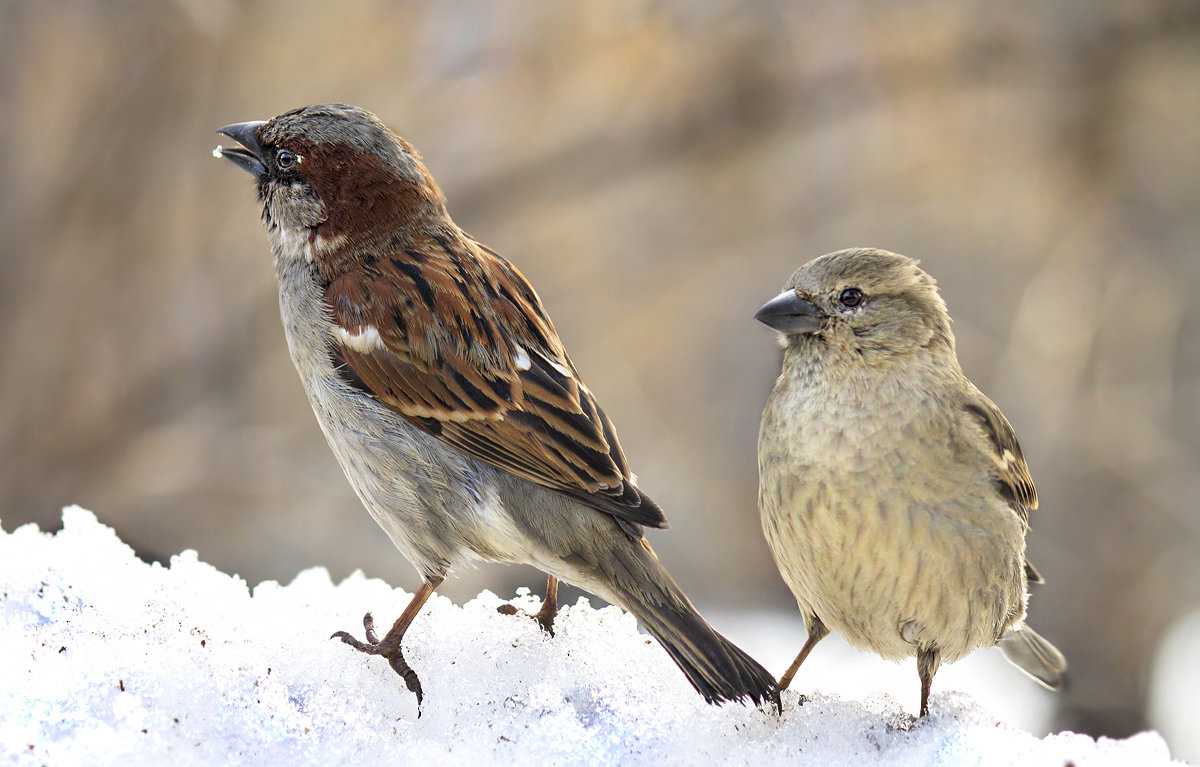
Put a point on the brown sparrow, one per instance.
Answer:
(446, 394)
(893, 493)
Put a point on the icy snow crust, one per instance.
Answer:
(105, 659)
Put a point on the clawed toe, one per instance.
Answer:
(371, 646)
(389, 650)
(548, 612)
(544, 617)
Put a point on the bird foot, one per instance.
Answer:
(544, 617)
(386, 649)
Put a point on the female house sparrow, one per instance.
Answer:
(893, 493)
(446, 394)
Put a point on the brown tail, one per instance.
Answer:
(716, 667)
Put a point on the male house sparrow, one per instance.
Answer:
(893, 493)
(446, 394)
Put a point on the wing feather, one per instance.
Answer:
(1010, 471)
(506, 394)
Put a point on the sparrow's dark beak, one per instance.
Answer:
(250, 157)
(788, 313)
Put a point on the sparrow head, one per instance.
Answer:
(337, 173)
(865, 303)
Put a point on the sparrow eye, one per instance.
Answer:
(851, 297)
(285, 160)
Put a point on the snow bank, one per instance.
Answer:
(105, 659)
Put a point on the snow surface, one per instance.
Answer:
(1174, 706)
(105, 659)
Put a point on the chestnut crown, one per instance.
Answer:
(338, 170)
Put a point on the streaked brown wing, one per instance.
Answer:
(455, 340)
(1011, 473)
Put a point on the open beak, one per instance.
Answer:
(248, 156)
(788, 313)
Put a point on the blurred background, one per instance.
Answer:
(657, 169)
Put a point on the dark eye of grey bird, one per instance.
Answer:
(285, 160)
(851, 297)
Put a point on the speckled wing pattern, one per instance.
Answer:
(452, 337)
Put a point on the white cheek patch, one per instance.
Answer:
(321, 243)
(292, 243)
(366, 339)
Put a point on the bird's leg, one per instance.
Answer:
(389, 646)
(549, 610)
(546, 615)
(928, 661)
(816, 632)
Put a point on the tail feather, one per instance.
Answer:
(718, 669)
(627, 572)
(1028, 651)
